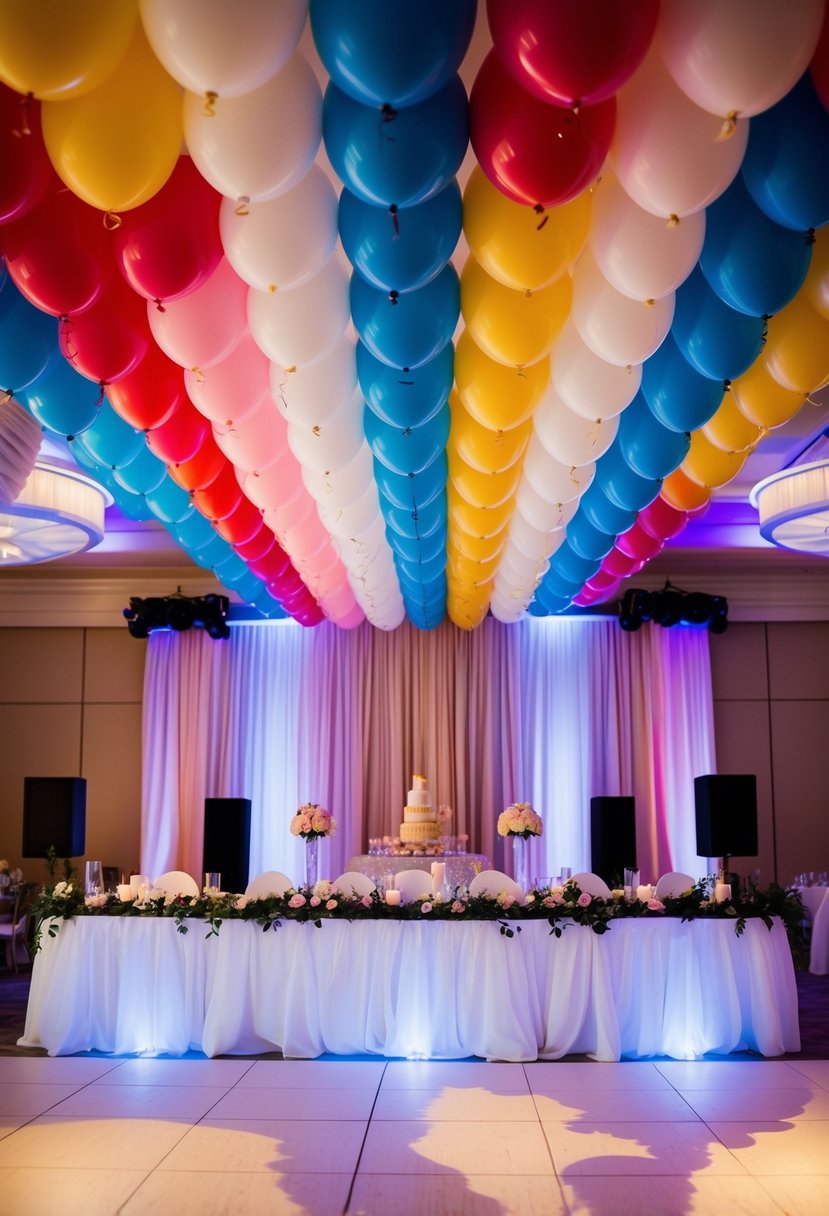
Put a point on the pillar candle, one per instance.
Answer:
(644, 892)
(722, 892)
(438, 875)
(125, 892)
(393, 899)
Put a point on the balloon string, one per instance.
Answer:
(593, 435)
(199, 374)
(272, 288)
(395, 220)
(112, 221)
(650, 302)
(210, 99)
(65, 337)
(159, 305)
(25, 109)
(500, 438)
(728, 127)
(810, 237)
(242, 205)
(394, 296)
(316, 430)
(100, 398)
(572, 475)
(539, 210)
(673, 221)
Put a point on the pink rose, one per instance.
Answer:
(458, 906)
(552, 901)
(506, 900)
(426, 908)
(296, 824)
(332, 903)
(656, 905)
(585, 900)
(241, 902)
(315, 901)
(366, 901)
(296, 901)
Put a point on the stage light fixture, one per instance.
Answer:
(179, 612)
(673, 606)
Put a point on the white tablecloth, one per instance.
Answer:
(816, 905)
(414, 989)
(461, 868)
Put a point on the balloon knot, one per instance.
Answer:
(407, 430)
(25, 109)
(810, 237)
(728, 127)
(394, 296)
(395, 219)
(522, 375)
(199, 374)
(649, 303)
(539, 210)
(271, 288)
(316, 430)
(726, 386)
(159, 305)
(673, 220)
(210, 99)
(576, 107)
(242, 205)
(112, 221)
(290, 370)
(387, 112)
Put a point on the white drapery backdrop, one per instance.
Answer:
(549, 711)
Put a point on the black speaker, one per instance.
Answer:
(54, 816)
(726, 809)
(227, 840)
(612, 836)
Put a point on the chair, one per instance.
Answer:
(15, 933)
(354, 883)
(176, 882)
(494, 882)
(673, 884)
(272, 882)
(592, 884)
(413, 885)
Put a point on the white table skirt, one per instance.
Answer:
(816, 905)
(393, 988)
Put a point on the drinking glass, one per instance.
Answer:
(93, 878)
(212, 883)
(566, 874)
(631, 884)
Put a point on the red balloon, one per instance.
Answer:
(148, 396)
(200, 470)
(662, 520)
(309, 616)
(819, 67)
(58, 253)
(170, 245)
(620, 564)
(181, 436)
(572, 51)
(242, 525)
(27, 170)
(639, 544)
(109, 340)
(258, 546)
(221, 498)
(535, 153)
(274, 565)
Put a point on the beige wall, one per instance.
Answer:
(70, 704)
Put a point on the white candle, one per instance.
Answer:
(125, 892)
(644, 892)
(722, 892)
(438, 875)
(393, 899)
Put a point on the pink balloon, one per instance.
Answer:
(620, 564)
(639, 544)
(603, 585)
(231, 389)
(202, 328)
(351, 619)
(291, 515)
(662, 520)
(255, 440)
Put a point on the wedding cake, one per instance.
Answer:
(420, 823)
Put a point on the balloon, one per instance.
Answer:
(180, 437)
(330, 446)
(414, 524)
(587, 540)
(109, 340)
(740, 57)
(109, 440)
(170, 245)
(223, 49)
(284, 241)
(540, 513)
(221, 498)
(618, 329)
(730, 430)
(709, 466)
(143, 474)
(170, 503)
(571, 567)
(233, 388)
(27, 170)
(396, 56)
(57, 254)
(665, 151)
(797, 351)
(636, 251)
(411, 450)
(819, 67)
(639, 544)
(258, 546)
(483, 490)
(662, 520)
(27, 340)
(405, 399)
(508, 125)
(416, 490)
(603, 514)
(623, 486)
(63, 52)
(581, 51)
(260, 144)
(147, 396)
(717, 341)
(401, 250)
(762, 400)
(257, 440)
(783, 175)
(619, 565)
(486, 520)
(202, 468)
(683, 494)
(410, 329)
(116, 146)
(588, 384)
(497, 396)
(203, 327)
(570, 437)
(320, 390)
(62, 400)
(483, 448)
(753, 264)
(516, 245)
(555, 481)
(651, 449)
(816, 287)
(679, 396)
(399, 157)
(514, 327)
(241, 525)
(298, 326)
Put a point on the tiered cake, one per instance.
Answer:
(420, 825)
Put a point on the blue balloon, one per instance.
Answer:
(410, 398)
(555, 593)
(417, 491)
(409, 330)
(753, 264)
(411, 450)
(603, 514)
(169, 503)
(110, 440)
(717, 341)
(401, 250)
(679, 397)
(414, 523)
(395, 54)
(249, 588)
(230, 570)
(62, 399)
(134, 506)
(194, 533)
(214, 551)
(418, 571)
(28, 340)
(536, 608)
(571, 567)
(143, 474)
(586, 539)
(399, 157)
(621, 485)
(785, 166)
(649, 447)
(418, 549)
(271, 608)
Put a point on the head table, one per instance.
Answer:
(413, 989)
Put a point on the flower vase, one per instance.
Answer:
(312, 859)
(521, 862)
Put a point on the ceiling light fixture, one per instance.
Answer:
(59, 512)
(794, 508)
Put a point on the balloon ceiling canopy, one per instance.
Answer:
(412, 311)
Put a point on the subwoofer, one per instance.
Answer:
(54, 816)
(227, 840)
(726, 811)
(612, 837)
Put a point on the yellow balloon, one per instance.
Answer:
(729, 430)
(497, 396)
(680, 492)
(514, 327)
(487, 450)
(482, 489)
(480, 521)
(709, 466)
(522, 248)
(797, 349)
(816, 286)
(465, 610)
(116, 146)
(479, 548)
(762, 400)
(472, 570)
(57, 49)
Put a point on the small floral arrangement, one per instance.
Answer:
(312, 821)
(520, 820)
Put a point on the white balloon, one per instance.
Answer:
(507, 609)
(282, 242)
(572, 438)
(639, 253)
(529, 546)
(299, 326)
(552, 479)
(258, 145)
(618, 329)
(539, 512)
(317, 393)
(665, 150)
(226, 47)
(741, 56)
(329, 447)
(343, 485)
(588, 384)
(353, 517)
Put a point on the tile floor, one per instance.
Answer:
(100, 1137)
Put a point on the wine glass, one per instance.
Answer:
(93, 878)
